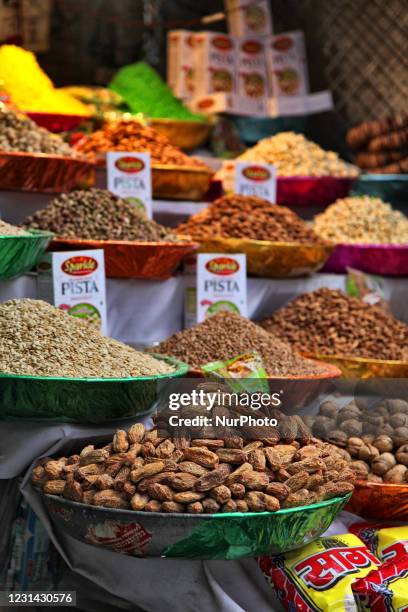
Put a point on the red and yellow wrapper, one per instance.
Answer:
(318, 577)
(384, 589)
(386, 542)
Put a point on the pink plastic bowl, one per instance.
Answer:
(312, 190)
(383, 259)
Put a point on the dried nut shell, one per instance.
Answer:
(334, 489)
(311, 465)
(202, 456)
(139, 501)
(237, 490)
(229, 506)
(280, 455)
(136, 433)
(182, 481)
(254, 480)
(384, 444)
(360, 468)
(165, 449)
(297, 481)
(261, 502)
(159, 491)
(93, 456)
(383, 463)
(252, 446)
(192, 468)
(396, 474)
(242, 506)
(187, 497)
(195, 508)
(54, 487)
(310, 450)
(120, 442)
(402, 454)
(235, 475)
(152, 506)
(121, 477)
(213, 479)
(210, 506)
(231, 455)
(73, 491)
(146, 470)
(257, 459)
(209, 443)
(221, 494)
(38, 475)
(148, 449)
(54, 469)
(104, 481)
(278, 489)
(172, 507)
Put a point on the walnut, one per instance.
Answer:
(381, 410)
(383, 463)
(368, 452)
(383, 443)
(402, 454)
(396, 405)
(352, 427)
(322, 426)
(337, 437)
(360, 468)
(374, 478)
(396, 474)
(399, 419)
(353, 446)
(400, 436)
(329, 409)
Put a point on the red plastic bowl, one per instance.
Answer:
(55, 122)
(312, 190)
(383, 259)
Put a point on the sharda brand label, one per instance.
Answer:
(255, 180)
(75, 283)
(221, 284)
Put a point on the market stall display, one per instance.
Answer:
(174, 174)
(30, 89)
(369, 236)
(20, 250)
(134, 246)
(44, 372)
(225, 335)
(381, 145)
(375, 442)
(307, 175)
(360, 338)
(151, 472)
(33, 159)
(276, 241)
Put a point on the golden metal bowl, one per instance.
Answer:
(186, 135)
(360, 367)
(180, 182)
(272, 259)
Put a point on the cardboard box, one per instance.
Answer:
(214, 63)
(180, 63)
(287, 64)
(249, 17)
(252, 73)
(233, 104)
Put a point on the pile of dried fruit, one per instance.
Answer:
(362, 220)
(293, 155)
(20, 134)
(133, 136)
(11, 230)
(226, 335)
(150, 471)
(328, 322)
(239, 216)
(37, 339)
(381, 145)
(97, 214)
(376, 441)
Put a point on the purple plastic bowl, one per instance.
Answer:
(383, 259)
(319, 191)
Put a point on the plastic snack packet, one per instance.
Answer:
(384, 589)
(386, 542)
(242, 373)
(318, 577)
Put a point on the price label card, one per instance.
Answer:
(221, 284)
(130, 177)
(74, 281)
(256, 179)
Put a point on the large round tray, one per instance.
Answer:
(127, 259)
(90, 400)
(187, 135)
(383, 259)
(192, 536)
(18, 254)
(45, 173)
(359, 367)
(57, 122)
(379, 500)
(272, 259)
(318, 191)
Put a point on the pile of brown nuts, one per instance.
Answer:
(154, 472)
(238, 216)
(329, 322)
(20, 134)
(374, 441)
(100, 215)
(133, 136)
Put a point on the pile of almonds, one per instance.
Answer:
(151, 471)
(375, 442)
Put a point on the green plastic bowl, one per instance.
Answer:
(18, 254)
(193, 536)
(81, 400)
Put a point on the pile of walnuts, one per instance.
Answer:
(151, 471)
(374, 441)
